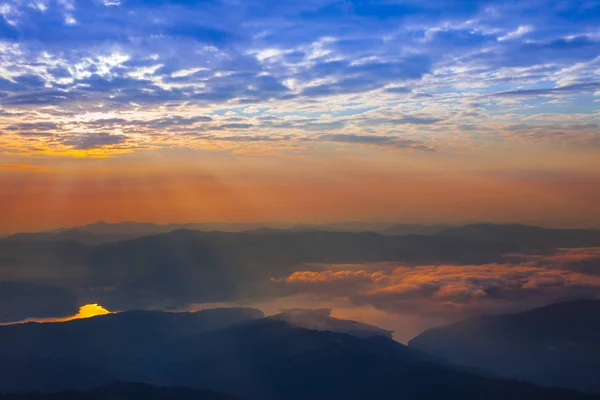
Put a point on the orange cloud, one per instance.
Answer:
(326, 276)
(563, 256)
(445, 288)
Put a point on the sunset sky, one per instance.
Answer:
(299, 111)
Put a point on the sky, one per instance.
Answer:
(305, 111)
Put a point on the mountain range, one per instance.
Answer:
(556, 345)
(102, 232)
(237, 352)
(123, 391)
(180, 267)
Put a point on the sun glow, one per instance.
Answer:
(86, 311)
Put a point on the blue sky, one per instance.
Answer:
(420, 75)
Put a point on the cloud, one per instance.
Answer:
(242, 139)
(567, 89)
(381, 141)
(462, 289)
(574, 132)
(583, 260)
(32, 126)
(517, 33)
(232, 126)
(414, 120)
(93, 140)
(324, 62)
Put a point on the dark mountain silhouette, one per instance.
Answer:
(19, 374)
(124, 391)
(273, 359)
(257, 358)
(556, 345)
(320, 320)
(101, 345)
(125, 332)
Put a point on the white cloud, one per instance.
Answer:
(520, 31)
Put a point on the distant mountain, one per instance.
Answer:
(344, 227)
(414, 229)
(129, 228)
(146, 228)
(124, 391)
(103, 232)
(20, 301)
(189, 266)
(557, 345)
(525, 234)
(71, 235)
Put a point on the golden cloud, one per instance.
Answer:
(456, 287)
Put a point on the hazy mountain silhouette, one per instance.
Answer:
(72, 235)
(556, 345)
(414, 229)
(146, 228)
(124, 391)
(277, 247)
(188, 266)
(471, 243)
(525, 234)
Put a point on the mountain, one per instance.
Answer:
(273, 359)
(20, 301)
(20, 374)
(189, 266)
(414, 229)
(71, 235)
(255, 358)
(321, 320)
(384, 228)
(344, 227)
(102, 345)
(525, 234)
(556, 345)
(145, 228)
(124, 391)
